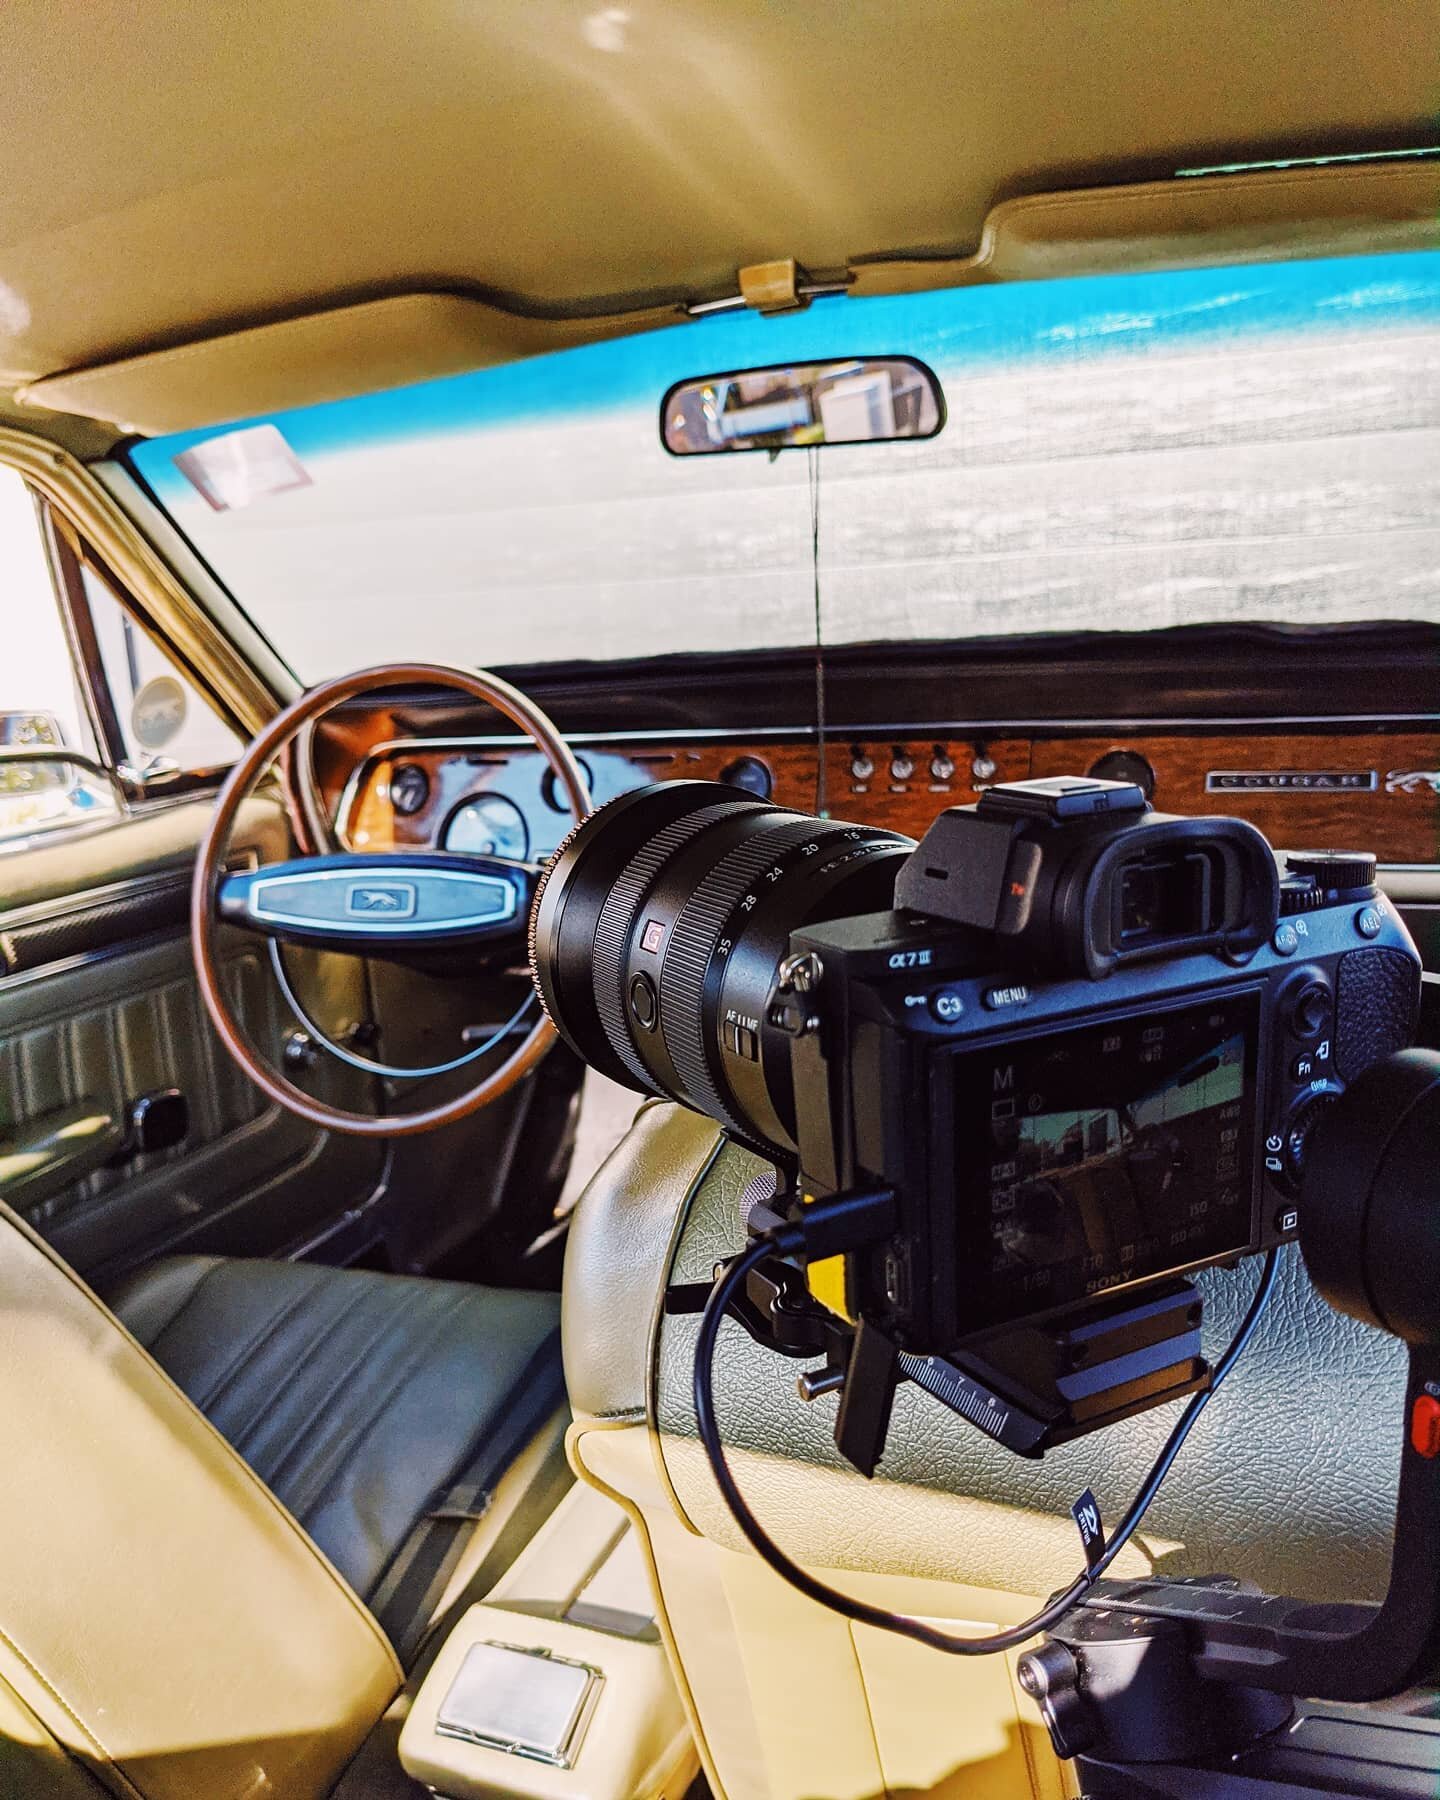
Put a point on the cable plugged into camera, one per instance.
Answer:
(850, 1222)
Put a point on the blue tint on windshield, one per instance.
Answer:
(955, 330)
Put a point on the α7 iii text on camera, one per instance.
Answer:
(1074, 1048)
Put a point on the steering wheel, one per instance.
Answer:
(372, 903)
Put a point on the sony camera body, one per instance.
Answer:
(1085, 1052)
(1081, 1046)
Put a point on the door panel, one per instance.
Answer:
(100, 1008)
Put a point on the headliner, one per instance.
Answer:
(177, 172)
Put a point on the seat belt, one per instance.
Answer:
(411, 1586)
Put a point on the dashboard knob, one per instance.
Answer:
(409, 788)
(1335, 870)
(902, 765)
(984, 766)
(862, 767)
(942, 766)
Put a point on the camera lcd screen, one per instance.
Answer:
(1107, 1154)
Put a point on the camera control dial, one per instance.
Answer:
(1334, 871)
(1300, 1126)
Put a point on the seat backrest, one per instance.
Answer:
(166, 1629)
(1289, 1480)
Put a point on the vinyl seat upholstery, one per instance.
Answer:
(358, 1398)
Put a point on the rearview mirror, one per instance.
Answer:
(861, 400)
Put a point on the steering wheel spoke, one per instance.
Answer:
(396, 905)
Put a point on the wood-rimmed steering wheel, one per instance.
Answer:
(372, 903)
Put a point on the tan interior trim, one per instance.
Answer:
(169, 608)
(652, 1352)
(320, 357)
(217, 1650)
(1263, 215)
(1266, 215)
(580, 1430)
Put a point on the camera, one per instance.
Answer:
(1018, 1082)
(1083, 1045)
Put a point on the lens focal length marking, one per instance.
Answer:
(802, 852)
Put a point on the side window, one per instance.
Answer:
(165, 725)
(42, 704)
(85, 688)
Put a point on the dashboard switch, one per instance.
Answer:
(862, 767)
(902, 765)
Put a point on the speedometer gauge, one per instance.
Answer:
(489, 826)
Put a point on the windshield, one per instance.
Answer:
(1120, 452)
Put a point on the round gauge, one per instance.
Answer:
(554, 795)
(1125, 765)
(749, 774)
(409, 788)
(489, 826)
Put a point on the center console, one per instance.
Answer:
(555, 1686)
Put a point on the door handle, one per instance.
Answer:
(58, 1148)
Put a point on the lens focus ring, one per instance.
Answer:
(617, 921)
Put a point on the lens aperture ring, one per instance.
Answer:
(617, 922)
(695, 938)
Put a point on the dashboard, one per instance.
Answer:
(1320, 739)
(1378, 789)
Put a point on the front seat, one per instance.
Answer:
(167, 1629)
(381, 1409)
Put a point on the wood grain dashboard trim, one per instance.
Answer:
(1399, 821)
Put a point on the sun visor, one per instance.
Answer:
(324, 356)
(1210, 218)
(1264, 215)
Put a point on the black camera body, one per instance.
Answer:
(1086, 1053)
(1080, 1044)
(1020, 1082)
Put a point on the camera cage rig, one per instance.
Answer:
(1125, 1663)
(1165, 1670)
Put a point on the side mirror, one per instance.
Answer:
(42, 789)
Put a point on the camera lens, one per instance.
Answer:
(659, 928)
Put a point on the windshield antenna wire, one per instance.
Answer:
(813, 456)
